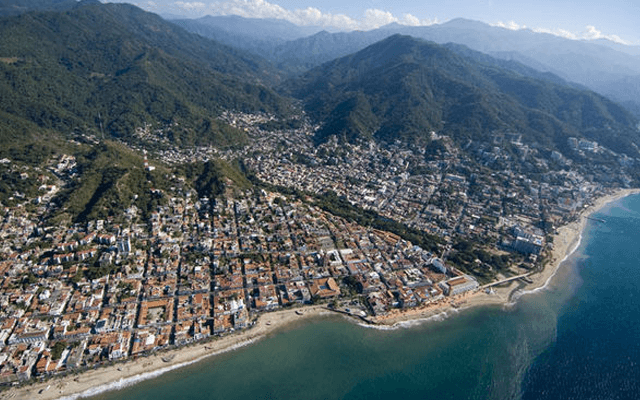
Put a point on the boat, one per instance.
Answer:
(168, 358)
(299, 312)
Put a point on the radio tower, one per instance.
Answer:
(146, 161)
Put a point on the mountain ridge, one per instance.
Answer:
(594, 64)
(402, 88)
(17, 7)
(116, 66)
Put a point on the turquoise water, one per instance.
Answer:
(576, 339)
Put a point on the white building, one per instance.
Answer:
(458, 285)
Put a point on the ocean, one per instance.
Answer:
(576, 339)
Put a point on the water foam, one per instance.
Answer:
(519, 294)
(441, 316)
(125, 382)
(132, 380)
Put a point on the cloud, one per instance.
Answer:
(511, 25)
(590, 32)
(147, 5)
(189, 6)
(374, 18)
(558, 32)
(310, 16)
(313, 17)
(412, 20)
(264, 9)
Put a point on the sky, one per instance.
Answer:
(616, 20)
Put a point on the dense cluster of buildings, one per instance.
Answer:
(76, 295)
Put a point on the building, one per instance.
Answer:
(324, 288)
(29, 337)
(124, 246)
(528, 245)
(458, 285)
(439, 266)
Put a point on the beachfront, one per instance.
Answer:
(113, 377)
(566, 240)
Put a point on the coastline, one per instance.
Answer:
(120, 375)
(566, 240)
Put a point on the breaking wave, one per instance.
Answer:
(132, 380)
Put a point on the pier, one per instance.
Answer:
(506, 280)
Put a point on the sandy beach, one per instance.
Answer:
(123, 374)
(119, 375)
(565, 241)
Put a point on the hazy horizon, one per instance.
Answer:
(586, 20)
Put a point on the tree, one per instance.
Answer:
(57, 349)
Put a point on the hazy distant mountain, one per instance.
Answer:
(300, 55)
(256, 45)
(116, 65)
(258, 28)
(598, 65)
(402, 88)
(629, 49)
(257, 35)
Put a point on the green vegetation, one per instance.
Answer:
(25, 171)
(402, 88)
(341, 207)
(17, 7)
(58, 348)
(114, 67)
(209, 177)
(112, 178)
(97, 271)
(470, 258)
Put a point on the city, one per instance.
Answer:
(82, 295)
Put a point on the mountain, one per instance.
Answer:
(276, 30)
(402, 88)
(298, 56)
(116, 67)
(633, 50)
(17, 7)
(112, 177)
(598, 65)
(257, 44)
(267, 38)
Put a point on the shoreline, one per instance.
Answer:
(132, 371)
(567, 240)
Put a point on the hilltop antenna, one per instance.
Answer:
(100, 122)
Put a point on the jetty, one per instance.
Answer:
(361, 317)
(506, 280)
